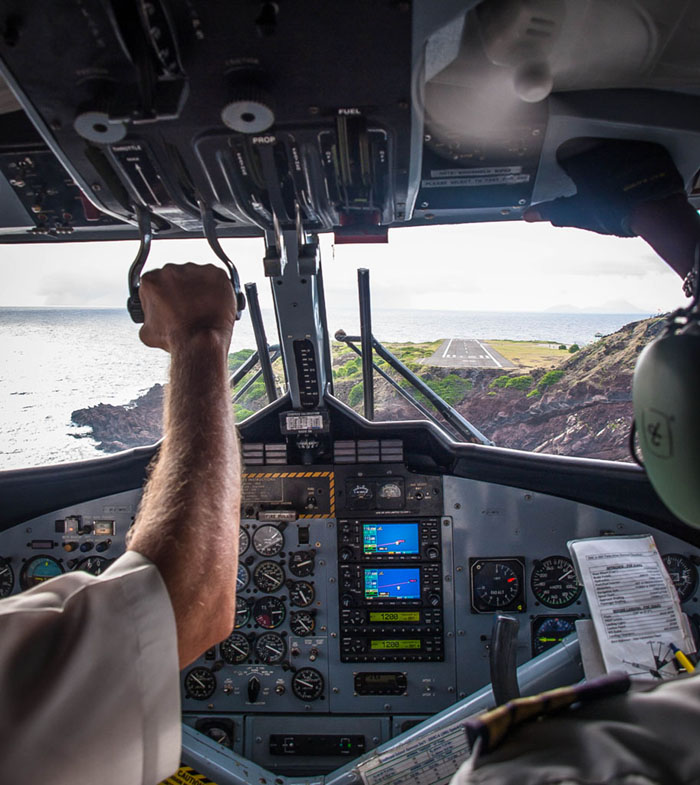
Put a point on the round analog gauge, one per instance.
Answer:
(200, 684)
(235, 649)
(39, 569)
(269, 612)
(220, 735)
(270, 648)
(496, 584)
(242, 577)
(242, 613)
(390, 490)
(7, 577)
(554, 582)
(95, 565)
(301, 593)
(547, 631)
(301, 563)
(307, 684)
(302, 623)
(243, 541)
(268, 540)
(683, 574)
(268, 576)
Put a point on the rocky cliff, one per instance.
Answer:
(582, 408)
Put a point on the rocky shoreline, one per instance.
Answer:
(117, 428)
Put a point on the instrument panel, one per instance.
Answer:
(376, 615)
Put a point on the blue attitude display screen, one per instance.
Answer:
(389, 538)
(392, 583)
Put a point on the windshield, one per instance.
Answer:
(530, 332)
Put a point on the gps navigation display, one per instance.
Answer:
(392, 583)
(389, 538)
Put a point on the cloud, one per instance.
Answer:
(497, 266)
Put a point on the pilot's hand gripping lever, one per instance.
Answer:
(133, 304)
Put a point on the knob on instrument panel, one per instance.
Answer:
(250, 112)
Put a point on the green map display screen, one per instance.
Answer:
(403, 644)
(390, 616)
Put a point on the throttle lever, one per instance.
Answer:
(133, 304)
(209, 226)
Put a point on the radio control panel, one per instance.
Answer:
(390, 590)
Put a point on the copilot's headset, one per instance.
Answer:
(666, 395)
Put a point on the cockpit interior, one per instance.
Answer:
(374, 555)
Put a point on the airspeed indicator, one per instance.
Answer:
(554, 582)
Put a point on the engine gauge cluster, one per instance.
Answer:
(280, 625)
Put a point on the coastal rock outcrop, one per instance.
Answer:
(118, 428)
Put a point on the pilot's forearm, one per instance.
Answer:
(672, 227)
(189, 516)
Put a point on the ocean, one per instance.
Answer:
(56, 360)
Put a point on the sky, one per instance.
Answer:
(507, 266)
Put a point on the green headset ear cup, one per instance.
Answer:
(666, 396)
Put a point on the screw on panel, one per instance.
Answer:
(258, 739)
(387, 707)
(460, 568)
(458, 506)
(314, 110)
(450, 689)
(331, 580)
(450, 634)
(335, 690)
(96, 187)
(448, 578)
(334, 635)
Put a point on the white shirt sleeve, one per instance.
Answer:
(89, 684)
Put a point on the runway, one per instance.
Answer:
(468, 353)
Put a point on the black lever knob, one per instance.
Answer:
(253, 689)
(503, 660)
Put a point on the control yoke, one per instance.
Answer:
(133, 304)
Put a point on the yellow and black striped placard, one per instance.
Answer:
(187, 776)
(270, 487)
